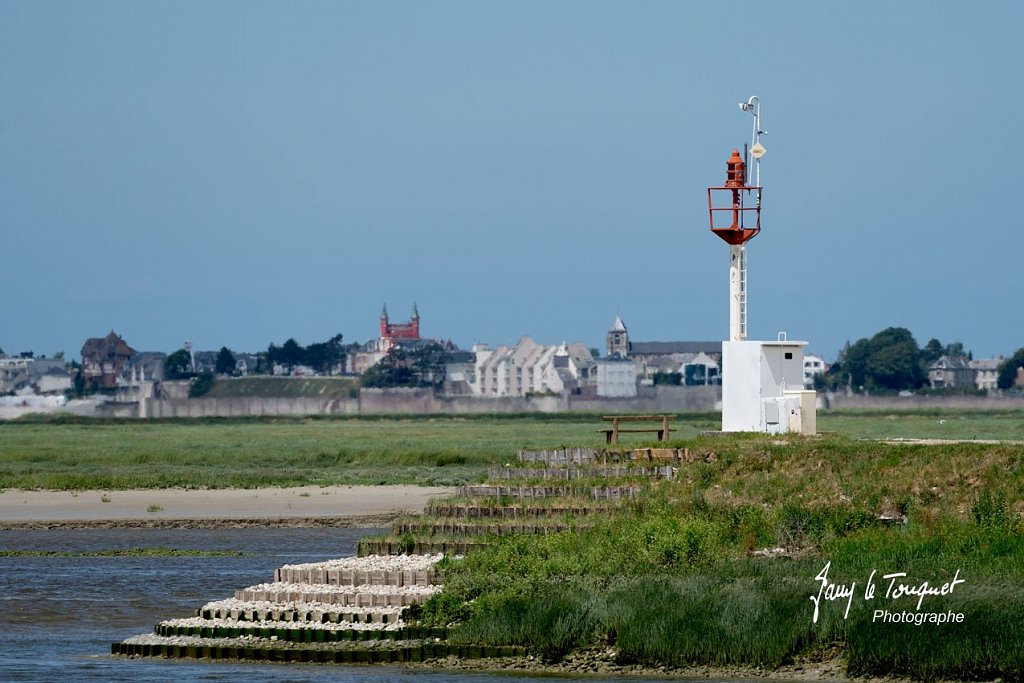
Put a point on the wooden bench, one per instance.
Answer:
(612, 435)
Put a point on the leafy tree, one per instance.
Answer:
(854, 366)
(78, 387)
(888, 361)
(292, 353)
(956, 350)
(1008, 369)
(393, 370)
(201, 385)
(178, 365)
(896, 367)
(225, 362)
(820, 382)
(422, 367)
(932, 351)
(325, 356)
(668, 379)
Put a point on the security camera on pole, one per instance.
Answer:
(762, 382)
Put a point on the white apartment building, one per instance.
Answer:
(813, 365)
(530, 368)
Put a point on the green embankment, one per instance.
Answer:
(284, 387)
(674, 579)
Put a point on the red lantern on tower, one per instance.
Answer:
(734, 210)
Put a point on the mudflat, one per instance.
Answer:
(162, 506)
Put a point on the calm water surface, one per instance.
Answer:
(59, 615)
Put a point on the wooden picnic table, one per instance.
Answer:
(612, 435)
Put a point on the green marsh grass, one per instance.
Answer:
(68, 453)
(670, 580)
(938, 423)
(253, 453)
(738, 610)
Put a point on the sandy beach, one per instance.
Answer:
(163, 507)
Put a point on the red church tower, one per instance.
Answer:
(392, 333)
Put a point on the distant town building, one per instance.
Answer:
(616, 377)
(694, 369)
(405, 335)
(986, 373)
(698, 362)
(392, 334)
(813, 365)
(951, 372)
(460, 373)
(25, 374)
(658, 348)
(105, 358)
(617, 340)
(531, 368)
(146, 366)
(13, 372)
(245, 363)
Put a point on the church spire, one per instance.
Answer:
(415, 312)
(384, 312)
(617, 341)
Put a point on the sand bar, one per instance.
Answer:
(322, 502)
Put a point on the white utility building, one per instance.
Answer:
(763, 388)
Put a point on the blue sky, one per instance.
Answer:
(237, 173)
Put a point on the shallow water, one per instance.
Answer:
(59, 615)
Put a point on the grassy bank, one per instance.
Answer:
(284, 387)
(718, 566)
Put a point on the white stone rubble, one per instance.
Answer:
(302, 589)
(374, 563)
(314, 626)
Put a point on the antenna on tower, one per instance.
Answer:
(757, 150)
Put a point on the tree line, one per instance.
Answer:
(891, 360)
(323, 357)
(327, 357)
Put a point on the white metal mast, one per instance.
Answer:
(738, 252)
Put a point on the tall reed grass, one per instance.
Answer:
(682, 591)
